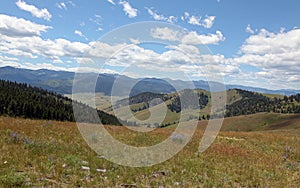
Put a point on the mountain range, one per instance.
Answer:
(62, 82)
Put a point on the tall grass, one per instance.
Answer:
(42, 153)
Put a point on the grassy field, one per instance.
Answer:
(47, 153)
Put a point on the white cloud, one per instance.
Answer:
(194, 20)
(65, 5)
(18, 27)
(185, 16)
(128, 9)
(196, 39)
(62, 5)
(37, 66)
(208, 21)
(191, 38)
(166, 33)
(277, 55)
(103, 50)
(178, 59)
(266, 42)
(134, 41)
(18, 40)
(249, 29)
(112, 2)
(32, 47)
(160, 17)
(84, 60)
(39, 13)
(79, 33)
(8, 61)
(49, 66)
(187, 49)
(148, 59)
(172, 60)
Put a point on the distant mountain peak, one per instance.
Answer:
(45, 78)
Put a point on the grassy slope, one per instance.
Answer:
(261, 122)
(236, 159)
(232, 96)
(170, 118)
(102, 101)
(274, 95)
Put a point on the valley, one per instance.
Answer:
(41, 145)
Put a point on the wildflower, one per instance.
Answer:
(27, 141)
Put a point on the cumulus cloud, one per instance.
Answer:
(192, 37)
(39, 13)
(148, 59)
(196, 39)
(103, 50)
(266, 42)
(160, 17)
(176, 59)
(165, 33)
(128, 9)
(194, 20)
(277, 55)
(18, 40)
(19, 27)
(188, 49)
(207, 22)
(34, 46)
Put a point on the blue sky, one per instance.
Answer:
(254, 43)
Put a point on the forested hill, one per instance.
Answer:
(251, 103)
(22, 100)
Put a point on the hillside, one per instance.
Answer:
(259, 122)
(22, 100)
(239, 102)
(52, 158)
(251, 102)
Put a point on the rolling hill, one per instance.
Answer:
(239, 102)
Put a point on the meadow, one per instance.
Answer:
(41, 153)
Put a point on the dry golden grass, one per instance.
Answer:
(42, 153)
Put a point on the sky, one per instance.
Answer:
(253, 43)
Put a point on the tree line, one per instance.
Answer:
(23, 100)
